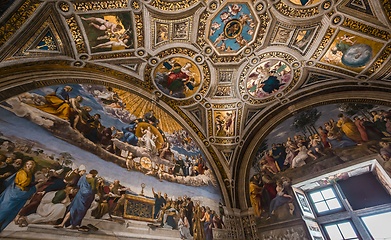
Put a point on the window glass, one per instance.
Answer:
(378, 225)
(316, 196)
(333, 204)
(347, 230)
(325, 200)
(333, 232)
(341, 231)
(328, 193)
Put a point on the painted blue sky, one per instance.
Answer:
(231, 42)
(11, 125)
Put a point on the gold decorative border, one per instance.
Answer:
(239, 121)
(381, 59)
(207, 78)
(226, 59)
(296, 12)
(76, 35)
(202, 28)
(210, 123)
(295, 79)
(387, 8)
(224, 106)
(128, 196)
(112, 55)
(173, 6)
(323, 44)
(263, 24)
(172, 51)
(225, 140)
(16, 20)
(139, 29)
(334, 69)
(100, 5)
(361, 27)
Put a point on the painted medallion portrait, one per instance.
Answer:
(232, 28)
(351, 51)
(268, 78)
(178, 77)
(109, 32)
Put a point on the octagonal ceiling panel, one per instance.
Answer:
(232, 27)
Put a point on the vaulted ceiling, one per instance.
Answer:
(253, 62)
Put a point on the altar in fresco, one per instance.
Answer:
(124, 142)
(312, 141)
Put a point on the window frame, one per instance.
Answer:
(326, 235)
(337, 196)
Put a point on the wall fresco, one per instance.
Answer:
(130, 149)
(312, 141)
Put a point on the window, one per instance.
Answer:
(341, 231)
(325, 200)
(378, 225)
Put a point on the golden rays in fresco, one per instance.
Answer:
(139, 106)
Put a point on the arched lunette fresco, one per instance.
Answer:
(66, 129)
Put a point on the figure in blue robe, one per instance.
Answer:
(62, 94)
(12, 200)
(82, 202)
(129, 134)
(271, 84)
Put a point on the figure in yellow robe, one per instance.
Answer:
(349, 128)
(58, 103)
(198, 230)
(255, 197)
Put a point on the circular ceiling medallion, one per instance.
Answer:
(326, 5)
(268, 78)
(233, 29)
(259, 7)
(64, 6)
(337, 19)
(177, 77)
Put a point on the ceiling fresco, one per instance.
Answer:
(220, 71)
